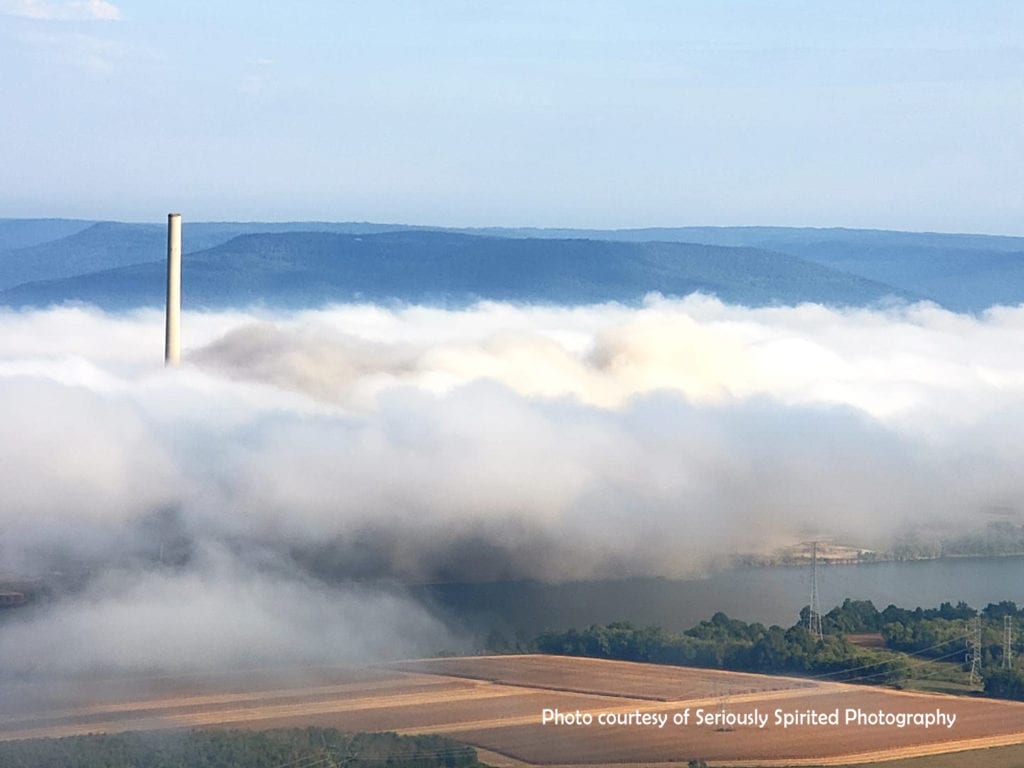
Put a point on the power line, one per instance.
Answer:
(912, 654)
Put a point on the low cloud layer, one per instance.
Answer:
(216, 614)
(294, 456)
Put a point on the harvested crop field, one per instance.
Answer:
(615, 678)
(496, 703)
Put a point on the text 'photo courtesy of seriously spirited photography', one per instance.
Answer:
(779, 718)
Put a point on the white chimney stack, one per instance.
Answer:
(172, 337)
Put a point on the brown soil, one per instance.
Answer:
(495, 703)
(867, 640)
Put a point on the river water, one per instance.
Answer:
(768, 595)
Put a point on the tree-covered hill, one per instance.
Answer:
(85, 247)
(310, 268)
(964, 272)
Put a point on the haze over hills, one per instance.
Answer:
(964, 272)
(23, 233)
(95, 246)
(310, 268)
(115, 264)
(772, 238)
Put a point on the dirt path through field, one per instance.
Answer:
(213, 700)
(168, 713)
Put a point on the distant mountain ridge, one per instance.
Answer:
(23, 233)
(308, 268)
(964, 272)
(103, 245)
(777, 238)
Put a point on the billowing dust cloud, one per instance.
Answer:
(269, 497)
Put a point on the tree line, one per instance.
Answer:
(933, 634)
(323, 747)
(725, 643)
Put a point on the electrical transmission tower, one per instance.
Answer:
(722, 695)
(1007, 642)
(814, 610)
(974, 646)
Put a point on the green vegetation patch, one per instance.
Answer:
(279, 748)
(725, 643)
(924, 649)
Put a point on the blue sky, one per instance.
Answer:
(900, 115)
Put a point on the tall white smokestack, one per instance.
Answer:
(172, 336)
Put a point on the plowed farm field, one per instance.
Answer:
(497, 703)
